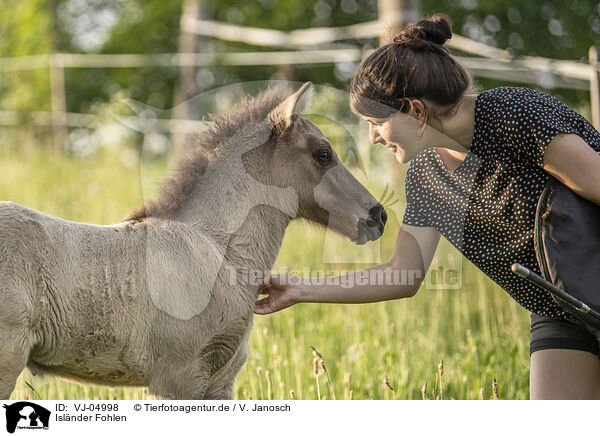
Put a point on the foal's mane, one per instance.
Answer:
(189, 170)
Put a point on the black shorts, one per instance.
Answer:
(548, 333)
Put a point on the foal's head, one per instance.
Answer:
(298, 155)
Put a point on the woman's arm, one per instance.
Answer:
(399, 277)
(575, 164)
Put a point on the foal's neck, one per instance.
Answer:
(250, 216)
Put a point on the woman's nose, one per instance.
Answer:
(374, 135)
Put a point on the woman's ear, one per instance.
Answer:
(419, 110)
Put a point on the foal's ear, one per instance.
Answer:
(295, 104)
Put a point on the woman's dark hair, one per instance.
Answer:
(415, 65)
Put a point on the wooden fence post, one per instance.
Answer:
(395, 14)
(58, 100)
(187, 88)
(595, 86)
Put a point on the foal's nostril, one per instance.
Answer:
(377, 217)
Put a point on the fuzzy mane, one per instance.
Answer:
(176, 189)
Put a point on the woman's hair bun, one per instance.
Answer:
(436, 29)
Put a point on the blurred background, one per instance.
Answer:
(77, 76)
(68, 56)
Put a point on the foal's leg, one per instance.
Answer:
(221, 386)
(179, 381)
(14, 353)
(224, 392)
(217, 362)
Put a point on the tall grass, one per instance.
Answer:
(478, 331)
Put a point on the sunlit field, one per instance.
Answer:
(478, 331)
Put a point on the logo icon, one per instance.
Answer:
(26, 415)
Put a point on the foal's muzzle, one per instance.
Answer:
(373, 226)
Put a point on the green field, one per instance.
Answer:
(478, 331)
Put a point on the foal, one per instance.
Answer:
(160, 299)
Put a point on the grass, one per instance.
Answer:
(478, 331)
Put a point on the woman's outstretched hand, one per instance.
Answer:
(279, 295)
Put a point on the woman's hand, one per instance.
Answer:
(279, 295)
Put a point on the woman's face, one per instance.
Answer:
(398, 133)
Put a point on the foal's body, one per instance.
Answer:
(87, 312)
(158, 299)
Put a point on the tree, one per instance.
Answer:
(26, 28)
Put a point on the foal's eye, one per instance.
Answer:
(323, 156)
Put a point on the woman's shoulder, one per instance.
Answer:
(524, 121)
(518, 101)
(514, 94)
(508, 105)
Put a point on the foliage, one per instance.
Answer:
(25, 29)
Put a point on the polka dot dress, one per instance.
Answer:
(486, 206)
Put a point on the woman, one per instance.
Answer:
(478, 165)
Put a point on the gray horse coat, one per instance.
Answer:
(157, 300)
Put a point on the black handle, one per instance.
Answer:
(526, 273)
